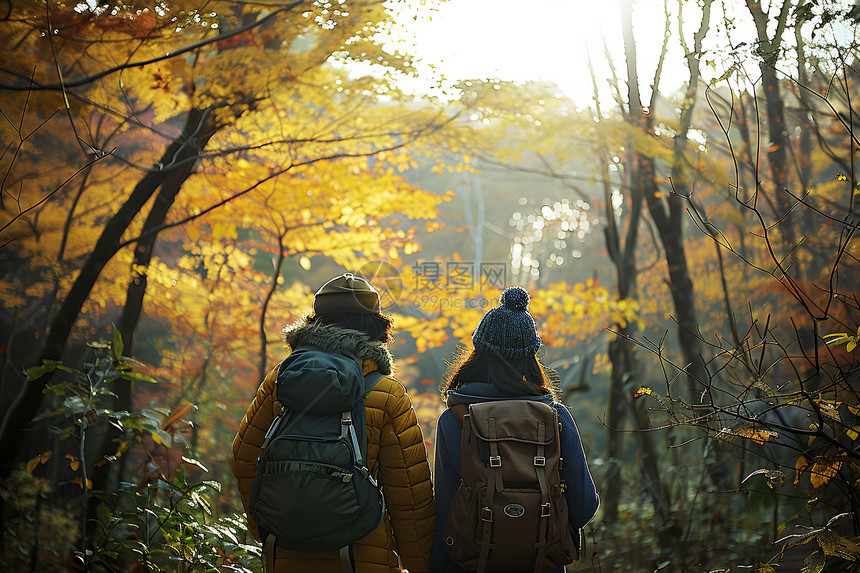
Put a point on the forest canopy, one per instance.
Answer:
(179, 177)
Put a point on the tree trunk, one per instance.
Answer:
(13, 426)
(625, 367)
(777, 151)
(670, 229)
(200, 126)
(640, 178)
(262, 366)
(620, 251)
(611, 494)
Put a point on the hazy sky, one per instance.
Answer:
(550, 39)
(538, 39)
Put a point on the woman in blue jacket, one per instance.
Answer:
(503, 366)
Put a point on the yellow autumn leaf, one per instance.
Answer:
(830, 409)
(836, 338)
(643, 391)
(305, 263)
(158, 440)
(757, 436)
(847, 549)
(123, 447)
(801, 465)
(814, 563)
(823, 470)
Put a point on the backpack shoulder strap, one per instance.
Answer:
(348, 425)
(459, 410)
(370, 380)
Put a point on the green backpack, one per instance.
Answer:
(313, 490)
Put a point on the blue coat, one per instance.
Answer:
(582, 498)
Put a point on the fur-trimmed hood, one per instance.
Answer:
(341, 340)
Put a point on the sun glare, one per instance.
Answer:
(542, 40)
(508, 40)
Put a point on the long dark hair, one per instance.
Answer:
(516, 377)
(377, 327)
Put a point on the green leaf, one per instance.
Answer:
(134, 546)
(117, 345)
(150, 415)
(213, 484)
(179, 478)
(37, 372)
(132, 422)
(160, 484)
(161, 437)
(202, 503)
(136, 377)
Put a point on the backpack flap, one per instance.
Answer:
(516, 430)
(509, 513)
(519, 421)
(313, 380)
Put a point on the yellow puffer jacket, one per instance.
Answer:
(395, 445)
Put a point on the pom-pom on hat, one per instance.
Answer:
(508, 330)
(348, 294)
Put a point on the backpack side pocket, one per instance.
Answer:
(461, 527)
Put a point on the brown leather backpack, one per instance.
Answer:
(509, 512)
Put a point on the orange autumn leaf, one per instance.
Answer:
(40, 459)
(80, 482)
(74, 463)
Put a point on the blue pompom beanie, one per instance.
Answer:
(508, 330)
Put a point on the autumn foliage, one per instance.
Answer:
(179, 177)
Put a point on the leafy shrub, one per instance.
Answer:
(165, 522)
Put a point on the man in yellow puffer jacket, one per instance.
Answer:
(347, 319)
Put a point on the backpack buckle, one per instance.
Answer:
(540, 461)
(545, 510)
(495, 461)
(487, 514)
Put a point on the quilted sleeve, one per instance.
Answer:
(247, 445)
(404, 473)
